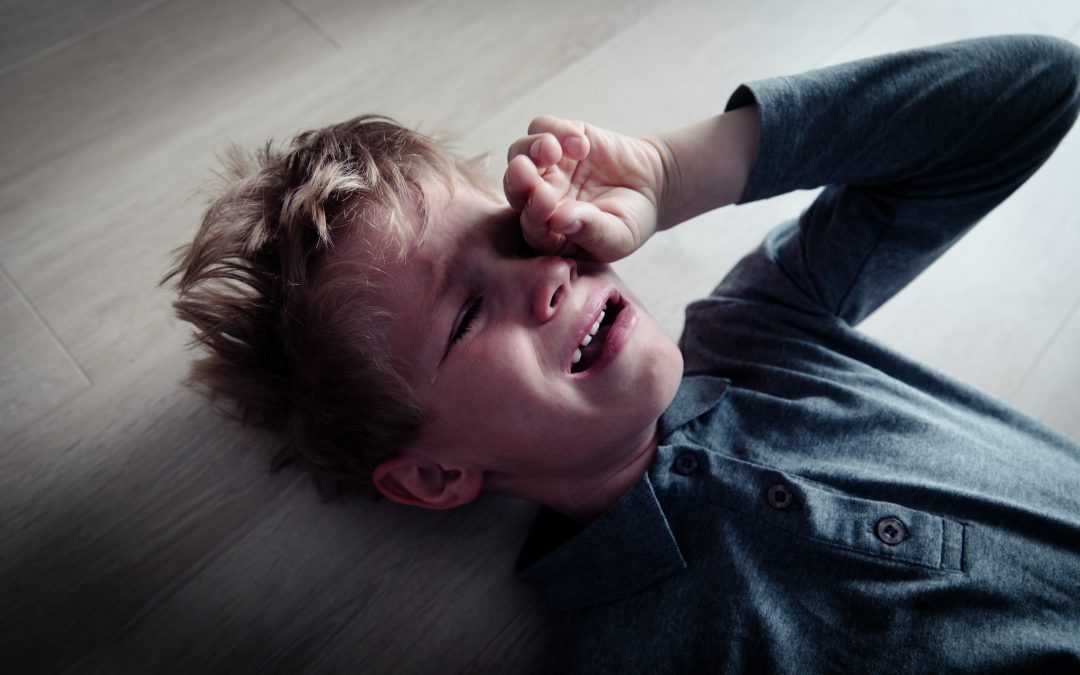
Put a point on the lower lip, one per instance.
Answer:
(616, 339)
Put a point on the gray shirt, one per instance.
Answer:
(820, 503)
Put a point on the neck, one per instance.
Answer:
(586, 498)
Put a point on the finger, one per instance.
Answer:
(540, 237)
(569, 217)
(535, 217)
(519, 180)
(572, 136)
(546, 150)
(556, 126)
(550, 243)
(601, 235)
(543, 149)
(576, 146)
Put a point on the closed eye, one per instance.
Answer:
(465, 321)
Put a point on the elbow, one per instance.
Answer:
(1057, 62)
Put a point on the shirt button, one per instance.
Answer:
(779, 496)
(686, 464)
(891, 531)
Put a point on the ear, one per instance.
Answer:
(420, 482)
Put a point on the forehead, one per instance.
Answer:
(406, 281)
(401, 246)
(459, 220)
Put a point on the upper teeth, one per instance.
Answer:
(588, 338)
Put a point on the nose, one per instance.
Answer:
(550, 279)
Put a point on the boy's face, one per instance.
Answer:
(489, 331)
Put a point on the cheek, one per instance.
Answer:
(667, 356)
(512, 375)
(500, 372)
(671, 377)
(659, 370)
(518, 388)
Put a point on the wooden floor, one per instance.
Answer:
(143, 534)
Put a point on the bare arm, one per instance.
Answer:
(707, 164)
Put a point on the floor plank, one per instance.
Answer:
(916, 23)
(93, 207)
(36, 28)
(121, 497)
(1051, 390)
(357, 584)
(520, 645)
(36, 371)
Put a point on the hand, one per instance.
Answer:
(584, 191)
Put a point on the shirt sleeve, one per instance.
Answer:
(913, 149)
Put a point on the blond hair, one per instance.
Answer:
(288, 332)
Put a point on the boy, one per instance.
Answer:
(801, 498)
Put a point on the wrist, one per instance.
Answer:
(706, 164)
(669, 178)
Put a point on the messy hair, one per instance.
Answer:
(288, 333)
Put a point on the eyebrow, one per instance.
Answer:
(443, 285)
(441, 280)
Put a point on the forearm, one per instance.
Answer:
(913, 149)
(706, 164)
(934, 122)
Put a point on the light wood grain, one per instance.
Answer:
(33, 29)
(1051, 390)
(142, 532)
(36, 371)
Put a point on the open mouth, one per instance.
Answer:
(592, 345)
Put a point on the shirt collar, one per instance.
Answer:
(629, 548)
(697, 395)
(623, 552)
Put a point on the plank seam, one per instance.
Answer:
(181, 580)
(526, 608)
(1045, 348)
(45, 324)
(1073, 32)
(311, 22)
(858, 31)
(75, 39)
